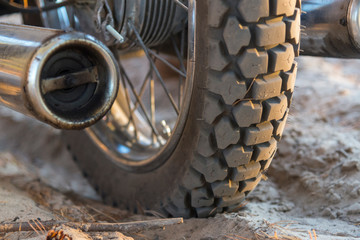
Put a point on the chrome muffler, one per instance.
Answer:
(68, 80)
(332, 28)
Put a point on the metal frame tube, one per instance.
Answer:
(332, 28)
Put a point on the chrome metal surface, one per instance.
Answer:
(155, 20)
(44, 74)
(178, 2)
(115, 33)
(58, 18)
(332, 28)
(354, 22)
(148, 117)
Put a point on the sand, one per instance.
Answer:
(313, 185)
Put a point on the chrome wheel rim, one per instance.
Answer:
(146, 121)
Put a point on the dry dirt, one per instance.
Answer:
(313, 185)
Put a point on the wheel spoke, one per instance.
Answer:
(152, 63)
(180, 55)
(140, 102)
(181, 5)
(142, 91)
(181, 73)
(152, 101)
(128, 100)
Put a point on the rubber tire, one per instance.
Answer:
(244, 81)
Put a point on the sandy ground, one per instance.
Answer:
(313, 185)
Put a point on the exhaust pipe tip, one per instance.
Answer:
(354, 22)
(72, 81)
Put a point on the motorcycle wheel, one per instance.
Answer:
(243, 79)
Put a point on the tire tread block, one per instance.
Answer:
(265, 150)
(224, 188)
(266, 87)
(234, 30)
(230, 88)
(205, 145)
(281, 58)
(289, 78)
(192, 179)
(212, 108)
(293, 27)
(225, 133)
(217, 60)
(270, 34)
(232, 200)
(275, 108)
(211, 168)
(178, 212)
(253, 62)
(237, 155)
(265, 164)
(243, 173)
(259, 134)
(204, 212)
(200, 197)
(280, 125)
(247, 113)
(218, 10)
(253, 10)
(280, 7)
(249, 185)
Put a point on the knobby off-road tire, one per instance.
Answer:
(244, 81)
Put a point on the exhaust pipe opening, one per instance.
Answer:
(75, 87)
(68, 80)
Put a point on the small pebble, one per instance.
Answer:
(327, 212)
(286, 207)
(353, 209)
(353, 165)
(355, 192)
(344, 92)
(334, 197)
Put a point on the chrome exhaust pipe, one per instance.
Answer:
(332, 28)
(68, 80)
